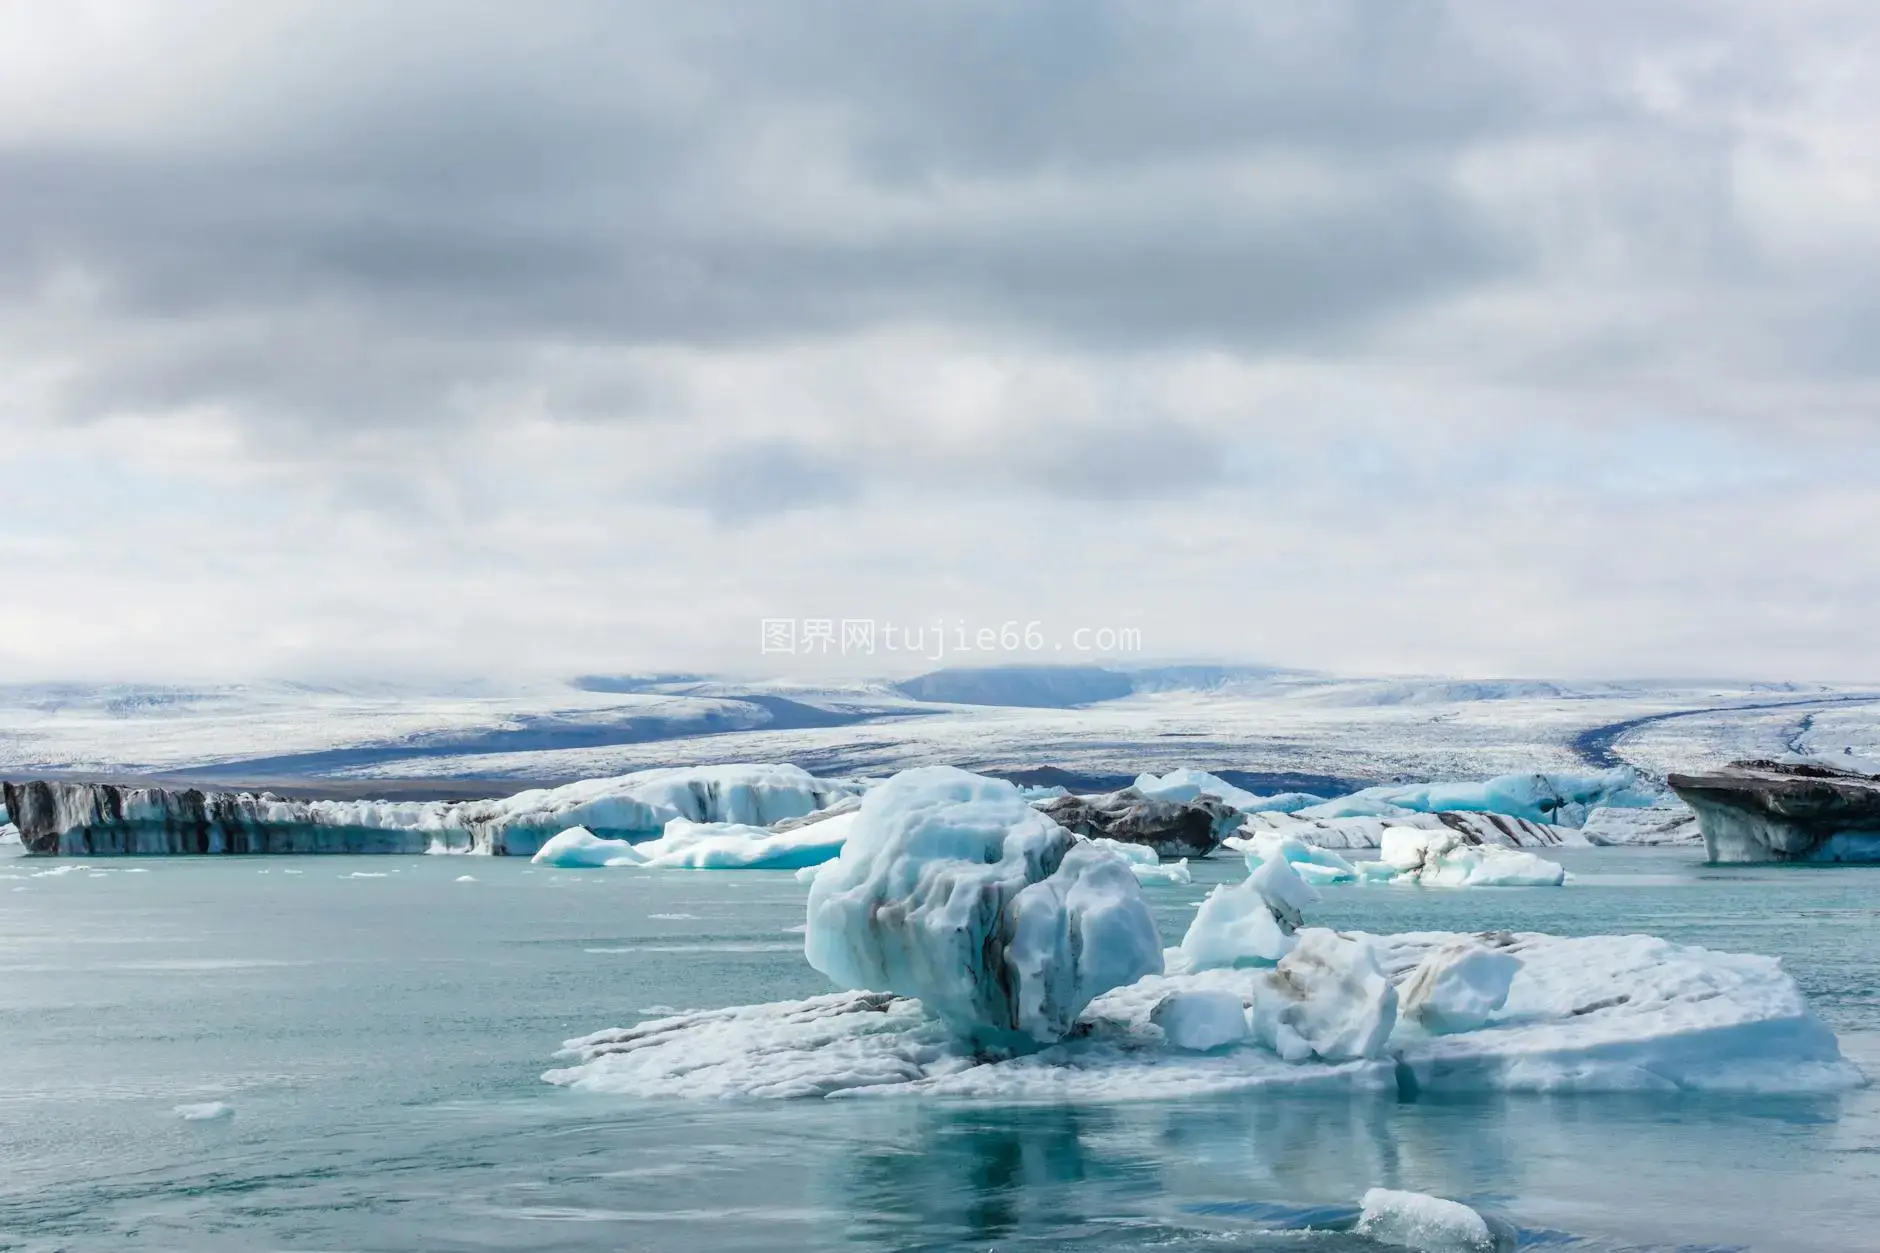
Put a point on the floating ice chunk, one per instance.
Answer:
(1134, 854)
(1200, 1021)
(578, 847)
(1441, 859)
(208, 1111)
(1414, 1220)
(1457, 987)
(1314, 864)
(1287, 895)
(1617, 1013)
(953, 889)
(1146, 862)
(1329, 996)
(465, 878)
(1176, 872)
(1249, 923)
(690, 845)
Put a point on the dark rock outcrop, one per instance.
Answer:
(1172, 828)
(1754, 811)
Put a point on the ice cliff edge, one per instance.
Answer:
(1754, 811)
(59, 818)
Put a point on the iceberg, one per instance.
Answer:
(1368, 831)
(1428, 1224)
(85, 819)
(1754, 811)
(1442, 859)
(953, 889)
(1555, 798)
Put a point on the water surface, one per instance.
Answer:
(379, 1029)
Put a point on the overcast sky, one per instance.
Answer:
(451, 338)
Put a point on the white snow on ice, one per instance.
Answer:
(952, 888)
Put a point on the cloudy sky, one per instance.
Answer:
(441, 337)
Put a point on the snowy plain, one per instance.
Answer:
(1268, 723)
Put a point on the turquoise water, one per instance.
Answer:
(380, 1040)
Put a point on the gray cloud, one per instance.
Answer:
(450, 285)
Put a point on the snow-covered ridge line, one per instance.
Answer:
(96, 819)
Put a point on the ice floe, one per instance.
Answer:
(1589, 1014)
(206, 1111)
(1442, 859)
(1410, 856)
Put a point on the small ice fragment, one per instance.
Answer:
(1414, 1220)
(208, 1111)
(1249, 923)
(364, 874)
(1334, 998)
(578, 848)
(1200, 1021)
(1458, 986)
(465, 878)
(1171, 872)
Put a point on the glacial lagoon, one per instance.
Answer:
(376, 1029)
